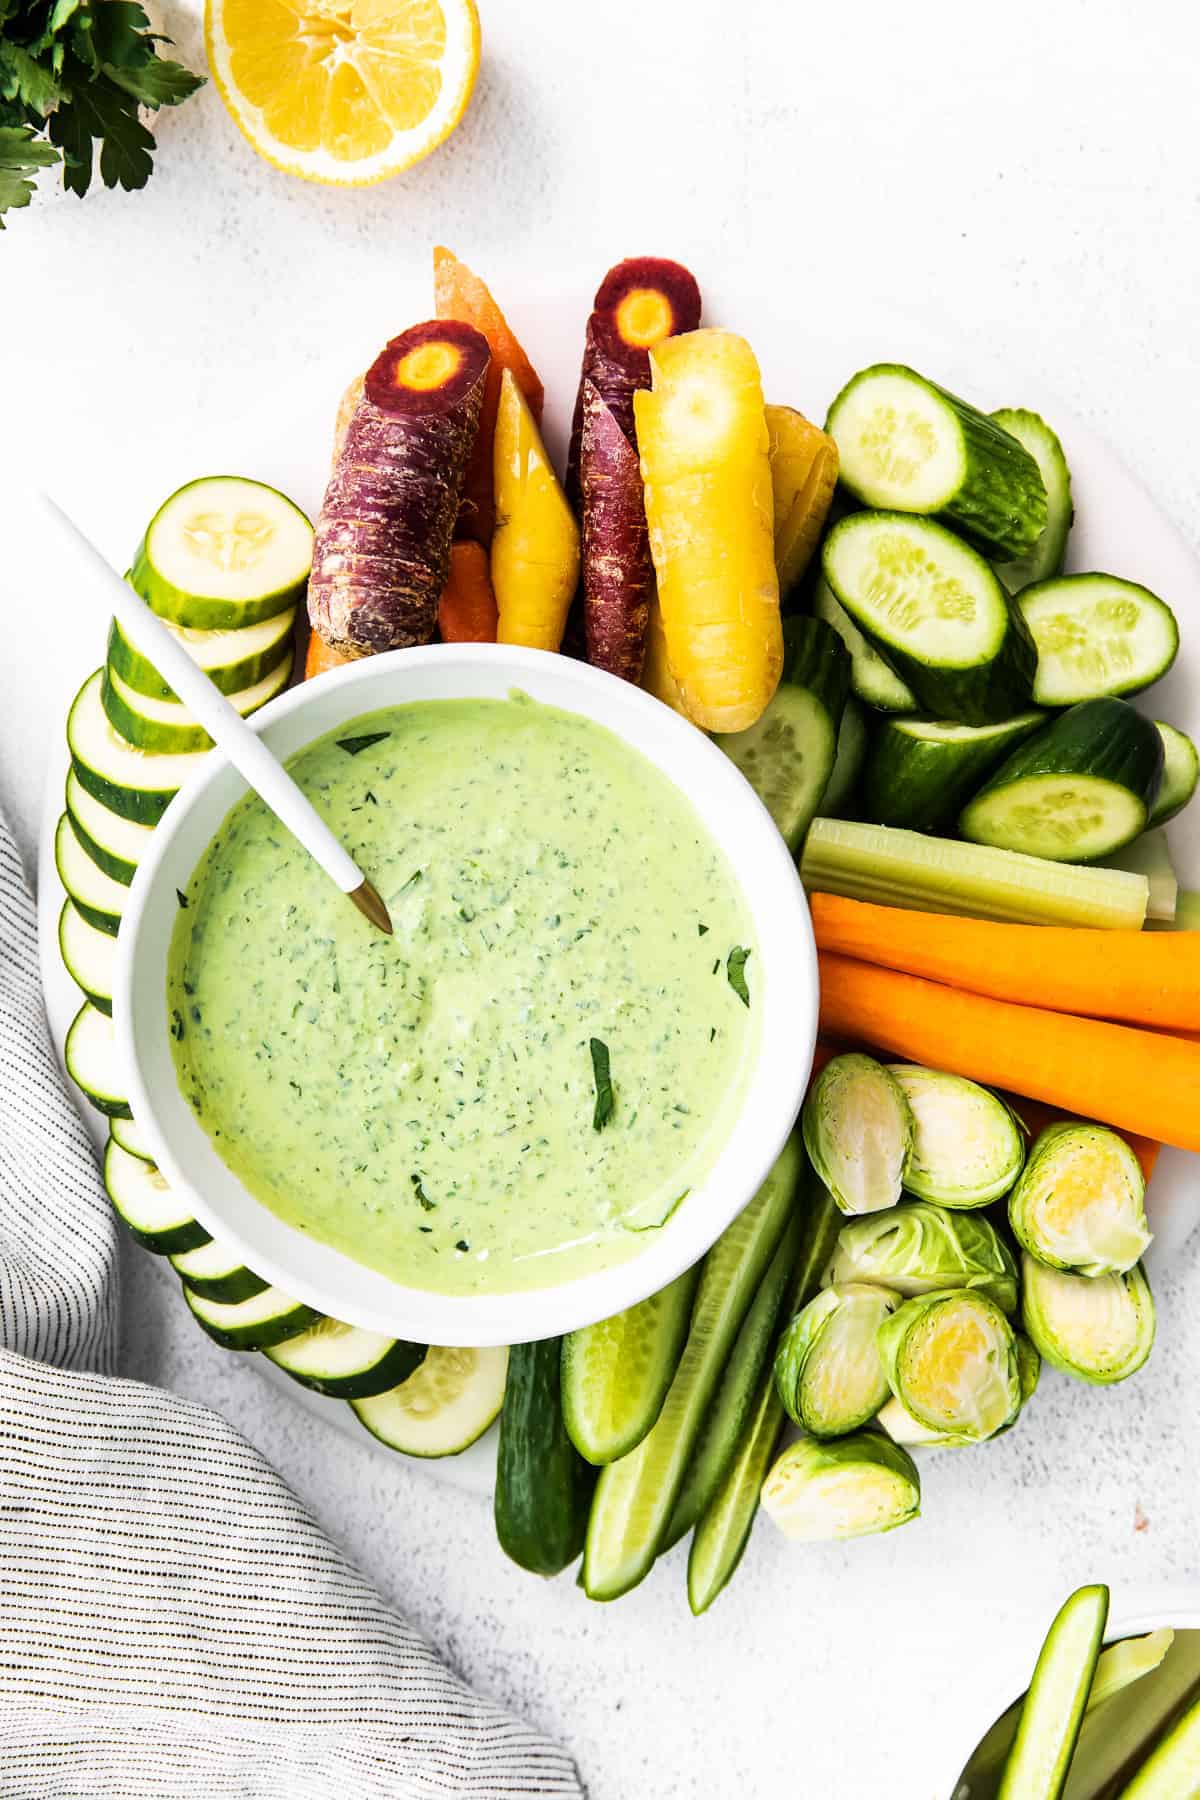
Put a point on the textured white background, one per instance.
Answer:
(1027, 178)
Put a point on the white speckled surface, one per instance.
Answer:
(1029, 179)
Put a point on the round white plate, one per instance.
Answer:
(1118, 529)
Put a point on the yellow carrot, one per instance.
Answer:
(804, 472)
(535, 547)
(1141, 977)
(702, 434)
(657, 678)
(1136, 1080)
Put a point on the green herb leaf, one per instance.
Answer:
(21, 156)
(181, 897)
(354, 746)
(735, 970)
(702, 930)
(605, 1101)
(427, 1204)
(24, 78)
(157, 82)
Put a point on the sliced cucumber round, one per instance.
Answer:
(443, 1407)
(134, 783)
(935, 610)
(264, 1320)
(908, 445)
(232, 659)
(115, 844)
(90, 1054)
(99, 898)
(872, 680)
(1096, 635)
(920, 771)
(88, 954)
(1181, 769)
(216, 1272)
(223, 551)
(346, 1362)
(165, 726)
(1048, 554)
(1079, 789)
(146, 1205)
(127, 1133)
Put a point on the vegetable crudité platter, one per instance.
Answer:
(976, 786)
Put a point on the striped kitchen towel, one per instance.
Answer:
(172, 1621)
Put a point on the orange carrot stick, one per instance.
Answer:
(1142, 977)
(1136, 1080)
(321, 656)
(459, 294)
(467, 609)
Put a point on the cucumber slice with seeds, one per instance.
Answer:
(232, 659)
(146, 1206)
(217, 1273)
(615, 1374)
(99, 898)
(441, 1409)
(90, 1054)
(936, 611)
(871, 679)
(908, 445)
(1181, 768)
(1078, 790)
(1040, 1760)
(88, 954)
(223, 551)
(115, 844)
(787, 756)
(345, 1362)
(134, 783)
(1096, 636)
(1048, 554)
(264, 1320)
(165, 726)
(126, 1133)
(920, 771)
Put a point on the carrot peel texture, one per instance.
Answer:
(617, 571)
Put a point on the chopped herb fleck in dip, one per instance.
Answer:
(522, 1081)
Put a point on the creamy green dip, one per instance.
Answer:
(434, 1104)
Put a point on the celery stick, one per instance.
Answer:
(891, 867)
(1149, 855)
(1187, 912)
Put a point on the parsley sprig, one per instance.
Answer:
(75, 72)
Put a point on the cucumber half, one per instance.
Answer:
(126, 1133)
(146, 1205)
(920, 771)
(223, 551)
(443, 1407)
(1181, 768)
(216, 1272)
(873, 681)
(787, 756)
(115, 844)
(166, 727)
(260, 1322)
(615, 1374)
(345, 1362)
(232, 659)
(935, 610)
(1096, 635)
(99, 898)
(908, 445)
(90, 1054)
(1040, 1759)
(1048, 554)
(1078, 790)
(842, 787)
(88, 955)
(134, 783)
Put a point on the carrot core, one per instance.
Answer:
(428, 366)
(645, 317)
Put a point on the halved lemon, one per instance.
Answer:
(344, 91)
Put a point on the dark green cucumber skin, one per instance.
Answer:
(985, 694)
(145, 806)
(922, 784)
(543, 1485)
(239, 1284)
(264, 1336)
(1108, 739)
(184, 1237)
(116, 866)
(401, 1361)
(1001, 510)
(814, 657)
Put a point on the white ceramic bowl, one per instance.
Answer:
(785, 990)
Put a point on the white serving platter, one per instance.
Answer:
(1118, 528)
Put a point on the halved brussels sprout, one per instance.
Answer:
(917, 1248)
(828, 1372)
(846, 1488)
(1079, 1203)
(857, 1130)
(967, 1148)
(1100, 1328)
(902, 1428)
(951, 1361)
